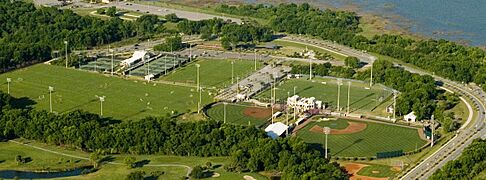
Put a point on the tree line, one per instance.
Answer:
(248, 147)
(231, 35)
(29, 34)
(471, 162)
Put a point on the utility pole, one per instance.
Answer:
(8, 85)
(50, 98)
(66, 48)
(327, 131)
(232, 71)
(165, 65)
(197, 74)
(371, 79)
(349, 92)
(224, 112)
(339, 93)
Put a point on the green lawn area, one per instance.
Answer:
(75, 89)
(214, 73)
(42, 160)
(326, 89)
(379, 171)
(481, 175)
(235, 114)
(375, 138)
(291, 47)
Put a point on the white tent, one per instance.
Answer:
(137, 55)
(275, 130)
(410, 117)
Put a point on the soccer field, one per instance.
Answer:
(376, 137)
(75, 89)
(240, 114)
(213, 72)
(326, 89)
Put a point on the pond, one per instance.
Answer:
(11, 174)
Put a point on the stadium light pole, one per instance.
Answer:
(295, 87)
(224, 112)
(327, 131)
(50, 98)
(394, 103)
(287, 113)
(102, 99)
(232, 71)
(432, 127)
(349, 92)
(66, 48)
(8, 85)
(255, 60)
(200, 99)
(371, 74)
(310, 68)
(112, 57)
(237, 85)
(197, 78)
(339, 93)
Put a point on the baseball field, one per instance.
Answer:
(362, 98)
(357, 138)
(75, 89)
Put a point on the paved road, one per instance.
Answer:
(147, 9)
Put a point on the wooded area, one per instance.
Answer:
(250, 148)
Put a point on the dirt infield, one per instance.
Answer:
(353, 127)
(259, 113)
(353, 169)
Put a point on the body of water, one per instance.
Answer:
(456, 20)
(11, 174)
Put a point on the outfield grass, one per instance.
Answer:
(326, 90)
(234, 115)
(381, 171)
(375, 138)
(214, 73)
(75, 89)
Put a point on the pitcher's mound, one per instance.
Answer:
(353, 127)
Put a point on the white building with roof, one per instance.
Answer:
(276, 130)
(410, 117)
(302, 104)
(136, 57)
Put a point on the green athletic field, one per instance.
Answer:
(375, 138)
(213, 72)
(75, 89)
(235, 115)
(326, 89)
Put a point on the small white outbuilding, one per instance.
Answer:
(276, 130)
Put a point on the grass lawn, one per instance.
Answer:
(375, 138)
(75, 89)
(235, 114)
(326, 89)
(42, 160)
(214, 73)
(379, 171)
(291, 47)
